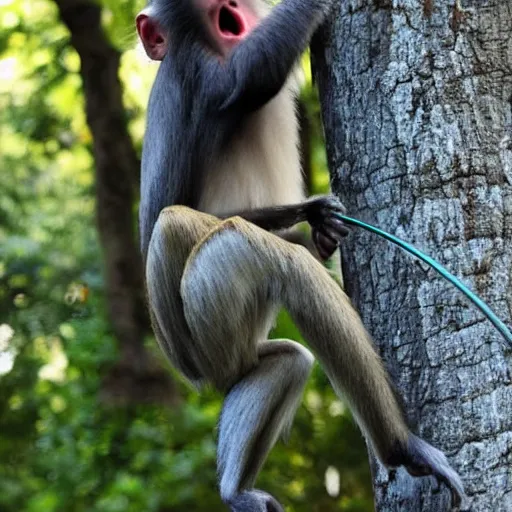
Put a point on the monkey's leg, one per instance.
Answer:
(262, 403)
(249, 266)
(335, 332)
(229, 311)
(176, 232)
(257, 409)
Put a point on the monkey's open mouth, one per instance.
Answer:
(230, 22)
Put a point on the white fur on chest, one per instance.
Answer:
(262, 167)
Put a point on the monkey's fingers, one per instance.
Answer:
(338, 226)
(442, 479)
(324, 243)
(336, 234)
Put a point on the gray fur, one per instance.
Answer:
(427, 460)
(260, 407)
(254, 500)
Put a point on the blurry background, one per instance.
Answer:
(91, 416)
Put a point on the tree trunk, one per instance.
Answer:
(417, 105)
(136, 377)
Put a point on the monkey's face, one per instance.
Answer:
(225, 22)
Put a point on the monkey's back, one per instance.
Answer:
(179, 141)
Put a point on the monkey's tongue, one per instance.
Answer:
(231, 23)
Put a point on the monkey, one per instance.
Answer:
(220, 180)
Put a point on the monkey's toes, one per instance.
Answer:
(255, 501)
(423, 459)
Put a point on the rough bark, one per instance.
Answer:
(136, 377)
(417, 106)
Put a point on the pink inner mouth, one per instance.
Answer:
(231, 23)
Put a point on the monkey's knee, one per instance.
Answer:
(255, 248)
(301, 358)
(182, 221)
(176, 232)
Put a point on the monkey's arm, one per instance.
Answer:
(259, 66)
(316, 210)
(319, 212)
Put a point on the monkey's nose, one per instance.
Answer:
(232, 3)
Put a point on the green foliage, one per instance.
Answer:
(61, 447)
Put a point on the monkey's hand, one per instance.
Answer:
(327, 229)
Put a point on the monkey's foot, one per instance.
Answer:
(254, 501)
(423, 459)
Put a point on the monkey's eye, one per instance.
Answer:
(228, 23)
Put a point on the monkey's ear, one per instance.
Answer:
(152, 37)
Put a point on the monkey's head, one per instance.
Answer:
(221, 24)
